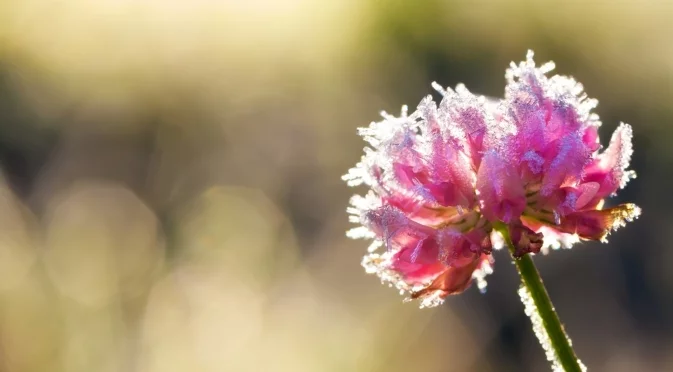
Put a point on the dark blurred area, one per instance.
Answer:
(171, 193)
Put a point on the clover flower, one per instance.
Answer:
(444, 178)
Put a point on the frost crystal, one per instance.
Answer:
(540, 332)
(440, 177)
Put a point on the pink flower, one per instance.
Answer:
(442, 177)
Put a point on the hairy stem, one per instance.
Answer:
(546, 323)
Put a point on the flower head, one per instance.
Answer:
(442, 177)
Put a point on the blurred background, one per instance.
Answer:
(171, 196)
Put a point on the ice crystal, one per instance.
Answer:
(540, 332)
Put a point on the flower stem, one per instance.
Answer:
(541, 310)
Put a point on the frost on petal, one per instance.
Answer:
(431, 268)
(597, 224)
(525, 110)
(467, 119)
(547, 109)
(586, 192)
(452, 135)
(591, 139)
(610, 168)
(424, 214)
(409, 176)
(501, 192)
(567, 158)
(458, 248)
(534, 161)
(395, 228)
(561, 98)
(453, 280)
(452, 175)
(379, 264)
(571, 199)
(453, 178)
(418, 262)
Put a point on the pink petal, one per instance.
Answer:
(452, 174)
(501, 192)
(562, 119)
(566, 158)
(396, 229)
(587, 192)
(466, 112)
(609, 169)
(408, 177)
(596, 224)
(418, 262)
(591, 139)
(572, 199)
(453, 280)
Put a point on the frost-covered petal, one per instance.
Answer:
(526, 112)
(586, 192)
(453, 177)
(501, 193)
(395, 229)
(421, 211)
(553, 119)
(571, 199)
(453, 280)
(418, 262)
(449, 160)
(467, 118)
(597, 224)
(591, 139)
(609, 169)
(566, 158)
(560, 100)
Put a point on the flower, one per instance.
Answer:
(444, 176)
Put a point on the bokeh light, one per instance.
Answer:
(171, 194)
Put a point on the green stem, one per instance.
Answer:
(555, 337)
